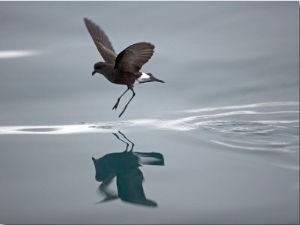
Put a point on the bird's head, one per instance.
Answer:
(100, 67)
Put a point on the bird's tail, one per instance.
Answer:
(148, 77)
(152, 78)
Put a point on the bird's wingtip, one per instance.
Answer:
(86, 20)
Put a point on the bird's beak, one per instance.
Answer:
(93, 73)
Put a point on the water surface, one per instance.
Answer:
(226, 122)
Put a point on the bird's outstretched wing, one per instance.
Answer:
(101, 41)
(134, 57)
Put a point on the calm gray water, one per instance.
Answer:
(226, 121)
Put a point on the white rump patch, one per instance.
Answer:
(143, 78)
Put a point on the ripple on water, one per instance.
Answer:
(270, 126)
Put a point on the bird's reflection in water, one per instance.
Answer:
(125, 167)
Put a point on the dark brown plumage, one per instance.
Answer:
(123, 68)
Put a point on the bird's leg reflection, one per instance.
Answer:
(122, 141)
(132, 144)
(127, 145)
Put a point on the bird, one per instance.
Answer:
(123, 68)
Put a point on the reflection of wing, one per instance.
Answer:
(104, 189)
(130, 188)
(150, 158)
(101, 41)
(134, 57)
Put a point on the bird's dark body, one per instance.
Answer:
(117, 76)
(123, 68)
(126, 78)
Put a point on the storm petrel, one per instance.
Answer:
(123, 68)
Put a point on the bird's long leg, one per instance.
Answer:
(133, 94)
(117, 103)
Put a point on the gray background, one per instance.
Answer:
(226, 120)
